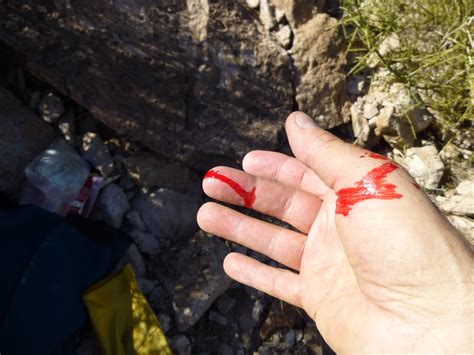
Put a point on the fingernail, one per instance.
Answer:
(304, 121)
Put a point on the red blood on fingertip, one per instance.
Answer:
(247, 196)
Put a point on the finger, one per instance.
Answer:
(279, 283)
(286, 203)
(327, 155)
(280, 244)
(284, 169)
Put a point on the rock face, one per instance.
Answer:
(319, 60)
(203, 76)
(23, 136)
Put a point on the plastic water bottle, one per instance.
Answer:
(59, 173)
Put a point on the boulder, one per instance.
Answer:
(191, 80)
(23, 136)
(318, 53)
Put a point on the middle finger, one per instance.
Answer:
(286, 203)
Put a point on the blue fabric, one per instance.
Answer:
(46, 265)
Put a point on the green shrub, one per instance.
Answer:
(435, 56)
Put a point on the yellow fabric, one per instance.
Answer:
(122, 318)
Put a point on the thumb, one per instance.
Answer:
(385, 222)
(328, 156)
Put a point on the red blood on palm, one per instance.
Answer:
(371, 186)
(248, 196)
(377, 156)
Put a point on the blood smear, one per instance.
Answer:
(371, 186)
(378, 156)
(248, 196)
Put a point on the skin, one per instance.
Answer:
(393, 276)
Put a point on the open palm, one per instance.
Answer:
(375, 276)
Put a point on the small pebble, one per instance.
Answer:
(51, 107)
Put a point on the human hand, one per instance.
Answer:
(375, 263)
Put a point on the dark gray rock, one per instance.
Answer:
(51, 107)
(94, 150)
(225, 303)
(197, 277)
(137, 261)
(356, 84)
(135, 220)
(165, 322)
(181, 345)
(23, 136)
(168, 213)
(247, 322)
(146, 242)
(146, 285)
(147, 171)
(67, 126)
(225, 349)
(35, 99)
(217, 318)
(290, 337)
(112, 205)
